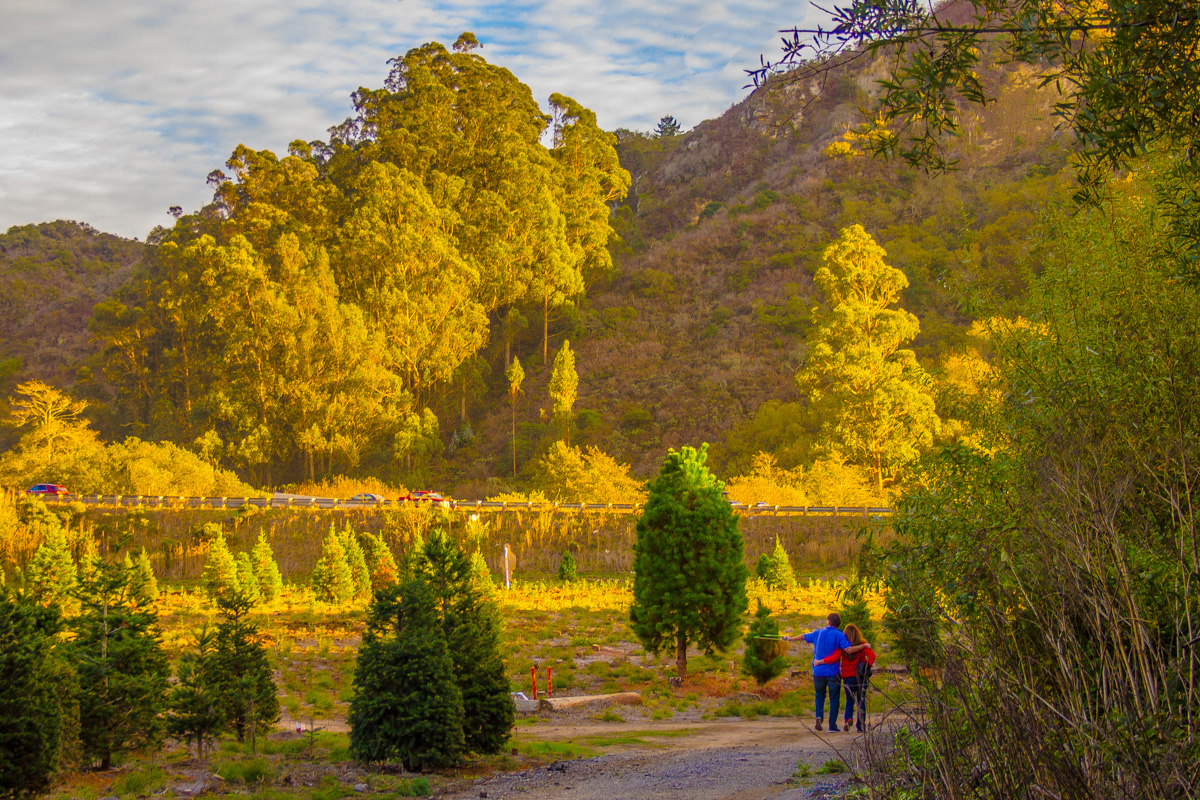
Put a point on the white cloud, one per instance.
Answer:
(111, 112)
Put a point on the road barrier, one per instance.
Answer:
(478, 506)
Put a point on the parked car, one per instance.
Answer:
(427, 496)
(48, 490)
(367, 497)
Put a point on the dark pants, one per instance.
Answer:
(855, 696)
(833, 685)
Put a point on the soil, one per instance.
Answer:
(718, 759)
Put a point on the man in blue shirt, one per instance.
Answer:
(828, 677)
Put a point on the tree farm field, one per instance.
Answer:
(574, 635)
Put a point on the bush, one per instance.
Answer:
(775, 570)
(332, 578)
(266, 570)
(220, 576)
(764, 654)
(568, 571)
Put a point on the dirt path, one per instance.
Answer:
(723, 759)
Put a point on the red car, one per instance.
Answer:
(426, 496)
(47, 490)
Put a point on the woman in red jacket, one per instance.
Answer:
(855, 686)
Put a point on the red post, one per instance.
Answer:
(533, 679)
(549, 685)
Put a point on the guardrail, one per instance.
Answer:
(486, 506)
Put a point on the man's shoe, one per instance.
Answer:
(846, 725)
(834, 729)
(819, 721)
(859, 727)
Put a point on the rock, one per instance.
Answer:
(203, 783)
(562, 703)
(360, 787)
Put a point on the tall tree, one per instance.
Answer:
(240, 672)
(883, 408)
(689, 582)
(515, 375)
(667, 126)
(564, 386)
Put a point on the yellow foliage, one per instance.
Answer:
(570, 475)
(342, 486)
(828, 482)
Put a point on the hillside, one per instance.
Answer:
(705, 320)
(51, 276)
(698, 332)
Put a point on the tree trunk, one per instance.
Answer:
(681, 656)
(514, 435)
(545, 327)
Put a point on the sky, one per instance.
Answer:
(111, 111)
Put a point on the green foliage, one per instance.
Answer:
(195, 713)
(1062, 529)
(481, 575)
(883, 406)
(239, 671)
(332, 577)
(667, 126)
(406, 705)
(143, 584)
(266, 570)
(51, 574)
(764, 657)
(689, 579)
(564, 386)
(382, 563)
(36, 696)
(471, 624)
(220, 576)
(568, 572)
(247, 581)
(774, 569)
(855, 611)
(121, 665)
(572, 475)
(357, 562)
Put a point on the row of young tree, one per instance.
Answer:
(309, 318)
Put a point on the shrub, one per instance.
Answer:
(568, 571)
(266, 570)
(381, 562)
(332, 578)
(775, 570)
(220, 577)
(246, 579)
(764, 655)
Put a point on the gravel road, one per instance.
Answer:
(713, 760)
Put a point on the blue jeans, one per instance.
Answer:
(854, 692)
(833, 685)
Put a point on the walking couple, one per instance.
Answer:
(837, 659)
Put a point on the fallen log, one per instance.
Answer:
(580, 701)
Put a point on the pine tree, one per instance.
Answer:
(481, 575)
(122, 668)
(764, 655)
(855, 611)
(567, 569)
(37, 690)
(357, 562)
(471, 625)
(89, 558)
(689, 582)
(195, 712)
(240, 671)
(146, 584)
(381, 562)
(220, 568)
(266, 570)
(406, 705)
(775, 570)
(332, 579)
(246, 579)
(564, 386)
(51, 574)
(667, 126)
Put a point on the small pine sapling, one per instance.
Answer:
(775, 570)
(357, 562)
(240, 670)
(195, 713)
(855, 611)
(381, 562)
(332, 579)
(247, 580)
(764, 657)
(481, 575)
(567, 569)
(145, 584)
(51, 575)
(220, 568)
(266, 570)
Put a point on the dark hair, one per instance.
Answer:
(835, 619)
